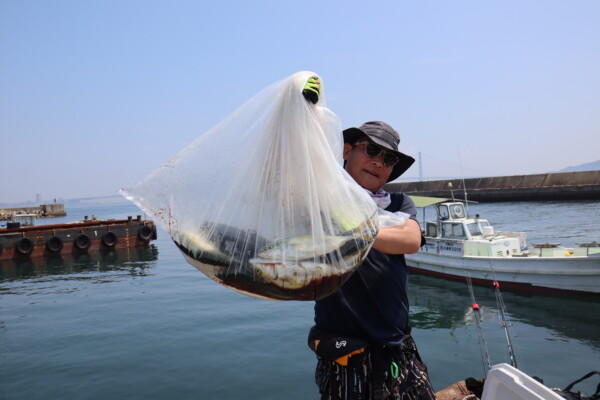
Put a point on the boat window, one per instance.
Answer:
(458, 211)
(444, 212)
(474, 229)
(453, 230)
(432, 230)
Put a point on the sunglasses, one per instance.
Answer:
(373, 151)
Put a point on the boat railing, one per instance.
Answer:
(588, 248)
(589, 244)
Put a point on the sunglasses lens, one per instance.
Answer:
(390, 159)
(372, 150)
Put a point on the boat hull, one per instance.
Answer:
(539, 274)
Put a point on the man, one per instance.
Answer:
(361, 333)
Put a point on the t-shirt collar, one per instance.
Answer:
(381, 198)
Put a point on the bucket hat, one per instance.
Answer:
(385, 136)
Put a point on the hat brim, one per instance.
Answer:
(351, 135)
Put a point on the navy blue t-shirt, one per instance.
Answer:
(373, 304)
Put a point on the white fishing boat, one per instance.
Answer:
(459, 246)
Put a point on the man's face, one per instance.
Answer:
(368, 172)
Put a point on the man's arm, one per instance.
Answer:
(405, 239)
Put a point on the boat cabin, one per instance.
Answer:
(452, 223)
(454, 233)
(24, 219)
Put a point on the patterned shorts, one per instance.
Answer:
(402, 377)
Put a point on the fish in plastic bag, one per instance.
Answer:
(261, 203)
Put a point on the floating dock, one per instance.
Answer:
(552, 186)
(78, 237)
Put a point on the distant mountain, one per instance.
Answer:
(591, 166)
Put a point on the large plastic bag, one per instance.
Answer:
(261, 203)
(387, 218)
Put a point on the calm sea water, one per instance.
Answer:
(143, 324)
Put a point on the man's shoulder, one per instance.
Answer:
(405, 198)
(400, 199)
(402, 202)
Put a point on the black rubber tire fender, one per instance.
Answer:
(54, 244)
(109, 239)
(82, 242)
(24, 246)
(145, 233)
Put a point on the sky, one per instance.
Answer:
(95, 95)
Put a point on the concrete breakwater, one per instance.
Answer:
(42, 211)
(583, 185)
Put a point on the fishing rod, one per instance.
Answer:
(499, 300)
(503, 323)
(485, 355)
(463, 180)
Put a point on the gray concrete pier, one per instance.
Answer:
(42, 211)
(583, 185)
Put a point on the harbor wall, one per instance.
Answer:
(42, 211)
(584, 185)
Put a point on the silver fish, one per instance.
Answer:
(198, 245)
(221, 244)
(304, 274)
(291, 275)
(301, 268)
(302, 247)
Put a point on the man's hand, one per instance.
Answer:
(312, 89)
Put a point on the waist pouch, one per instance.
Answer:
(333, 347)
(387, 363)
